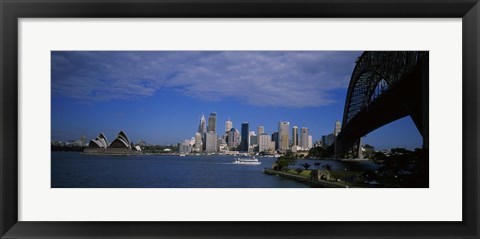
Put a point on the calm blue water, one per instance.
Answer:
(76, 170)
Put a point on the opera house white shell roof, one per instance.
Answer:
(99, 142)
(121, 141)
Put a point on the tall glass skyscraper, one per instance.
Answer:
(212, 122)
(244, 143)
(275, 139)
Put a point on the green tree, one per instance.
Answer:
(378, 155)
(289, 154)
(306, 165)
(299, 170)
(368, 146)
(316, 152)
(369, 151)
(283, 162)
(404, 168)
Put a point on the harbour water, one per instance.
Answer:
(77, 170)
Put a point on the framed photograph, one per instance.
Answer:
(268, 149)
(239, 119)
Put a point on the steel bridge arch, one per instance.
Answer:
(371, 67)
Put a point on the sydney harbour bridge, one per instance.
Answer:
(385, 86)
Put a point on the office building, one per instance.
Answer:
(228, 125)
(202, 126)
(244, 137)
(295, 136)
(275, 139)
(283, 133)
(253, 139)
(337, 129)
(212, 122)
(328, 140)
(310, 142)
(260, 130)
(198, 142)
(265, 143)
(210, 142)
(304, 137)
(232, 139)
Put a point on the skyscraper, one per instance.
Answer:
(294, 136)
(304, 137)
(260, 130)
(275, 139)
(330, 139)
(228, 125)
(244, 143)
(202, 126)
(265, 143)
(325, 141)
(283, 132)
(233, 138)
(338, 128)
(212, 122)
(198, 142)
(211, 142)
(310, 142)
(253, 138)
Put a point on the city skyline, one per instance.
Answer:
(159, 96)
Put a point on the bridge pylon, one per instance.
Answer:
(352, 149)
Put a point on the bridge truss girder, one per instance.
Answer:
(406, 93)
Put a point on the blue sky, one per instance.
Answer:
(159, 96)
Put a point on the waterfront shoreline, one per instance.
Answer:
(320, 184)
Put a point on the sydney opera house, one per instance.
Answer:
(119, 146)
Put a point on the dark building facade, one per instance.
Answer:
(244, 142)
(212, 122)
(275, 139)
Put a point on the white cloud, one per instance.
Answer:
(290, 79)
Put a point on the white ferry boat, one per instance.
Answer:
(247, 161)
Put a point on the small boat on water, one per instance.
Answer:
(182, 155)
(247, 161)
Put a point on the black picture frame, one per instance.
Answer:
(11, 11)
